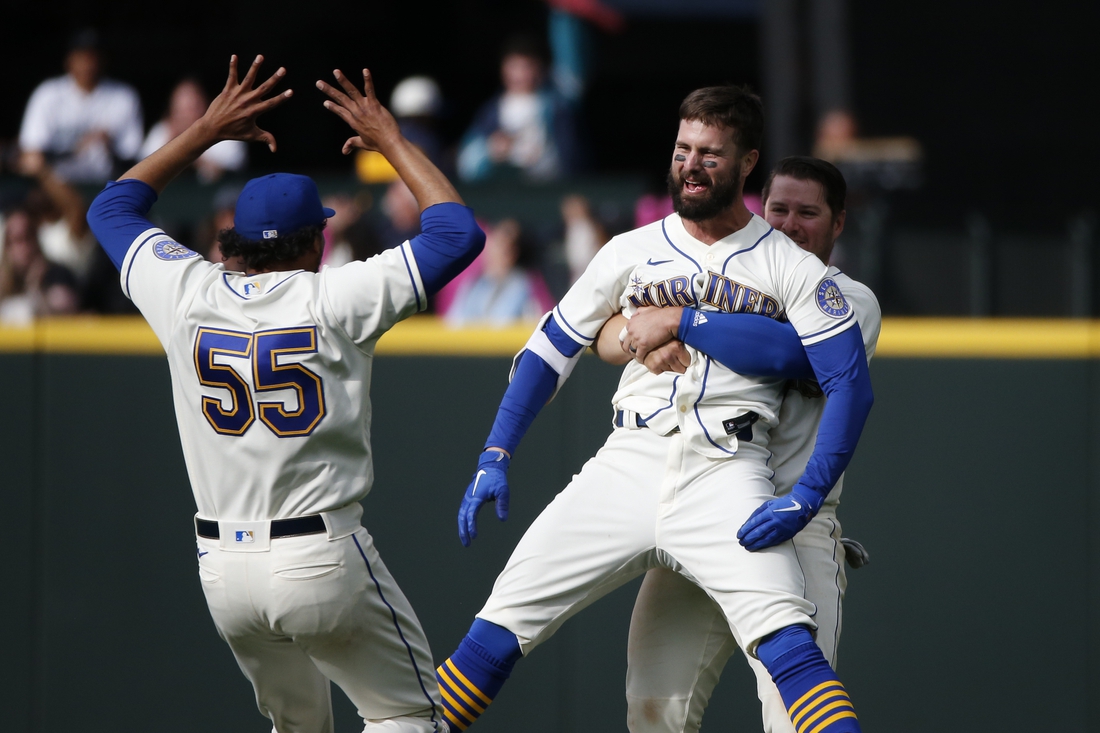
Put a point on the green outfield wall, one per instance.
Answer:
(976, 489)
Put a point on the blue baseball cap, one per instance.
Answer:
(278, 205)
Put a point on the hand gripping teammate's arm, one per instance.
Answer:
(118, 214)
(450, 238)
(742, 342)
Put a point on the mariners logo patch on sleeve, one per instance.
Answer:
(830, 300)
(169, 250)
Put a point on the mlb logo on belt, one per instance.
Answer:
(245, 535)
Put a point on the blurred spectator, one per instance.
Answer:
(529, 127)
(225, 207)
(570, 38)
(338, 250)
(868, 163)
(417, 104)
(349, 234)
(186, 105)
(583, 234)
(60, 211)
(836, 133)
(81, 122)
(499, 290)
(30, 285)
(402, 216)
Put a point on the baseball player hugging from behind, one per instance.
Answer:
(270, 378)
(679, 640)
(683, 481)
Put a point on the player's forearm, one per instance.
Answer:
(841, 367)
(544, 364)
(607, 345)
(531, 387)
(160, 168)
(747, 343)
(428, 184)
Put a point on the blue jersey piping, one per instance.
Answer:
(131, 267)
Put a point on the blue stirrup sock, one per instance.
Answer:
(474, 674)
(812, 693)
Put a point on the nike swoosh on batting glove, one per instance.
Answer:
(778, 520)
(490, 482)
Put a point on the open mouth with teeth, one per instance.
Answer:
(695, 186)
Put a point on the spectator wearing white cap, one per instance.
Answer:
(417, 103)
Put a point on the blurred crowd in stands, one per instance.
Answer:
(83, 128)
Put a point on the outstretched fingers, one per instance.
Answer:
(272, 80)
(346, 85)
(368, 84)
(231, 81)
(275, 101)
(339, 99)
(250, 77)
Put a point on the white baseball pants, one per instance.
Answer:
(300, 611)
(643, 501)
(680, 642)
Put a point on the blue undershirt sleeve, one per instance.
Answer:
(118, 215)
(449, 241)
(841, 367)
(533, 383)
(747, 343)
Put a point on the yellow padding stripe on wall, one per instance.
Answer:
(428, 336)
(993, 338)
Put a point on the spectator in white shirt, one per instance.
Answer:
(187, 104)
(81, 122)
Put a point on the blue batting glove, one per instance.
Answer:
(490, 482)
(777, 520)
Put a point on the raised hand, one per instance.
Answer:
(232, 115)
(490, 482)
(373, 124)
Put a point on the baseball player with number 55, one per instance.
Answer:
(683, 482)
(271, 374)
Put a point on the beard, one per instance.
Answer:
(720, 194)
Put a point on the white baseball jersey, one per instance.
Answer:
(754, 270)
(261, 362)
(655, 496)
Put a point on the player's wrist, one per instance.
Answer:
(391, 143)
(204, 133)
(495, 458)
(812, 498)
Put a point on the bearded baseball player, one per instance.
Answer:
(679, 640)
(683, 481)
(270, 377)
